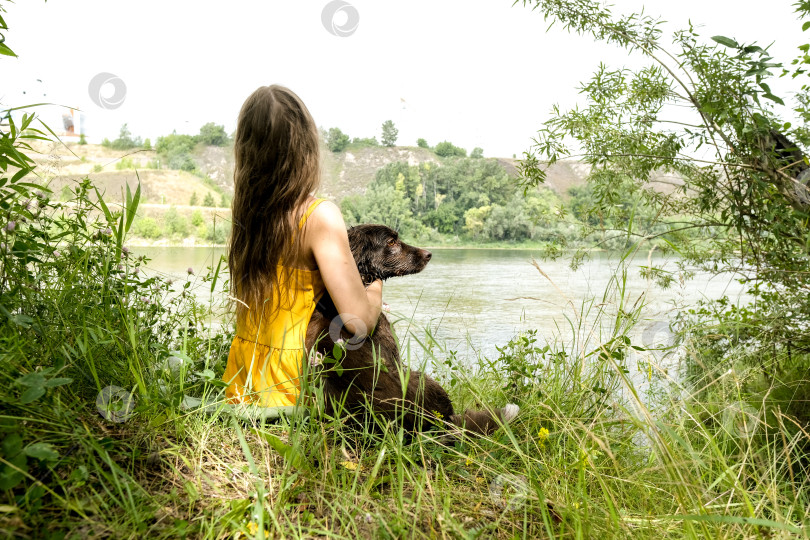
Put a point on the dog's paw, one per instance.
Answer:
(509, 413)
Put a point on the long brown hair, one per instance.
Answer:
(277, 166)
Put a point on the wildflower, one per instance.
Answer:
(386, 308)
(479, 480)
(135, 271)
(316, 359)
(542, 437)
(468, 462)
(438, 415)
(190, 271)
(56, 254)
(107, 231)
(124, 251)
(351, 465)
(11, 226)
(341, 343)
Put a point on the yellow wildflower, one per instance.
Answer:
(438, 414)
(351, 465)
(542, 437)
(252, 528)
(479, 480)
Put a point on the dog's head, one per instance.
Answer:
(380, 254)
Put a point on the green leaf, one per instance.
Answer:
(57, 381)
(34, 378)
(104, 208)
(6, 51)
(728, 42)
(805, 26)
(773, 98)
(32, 394)
(132, 203)
(43, 451)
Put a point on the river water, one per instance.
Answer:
(474, 300)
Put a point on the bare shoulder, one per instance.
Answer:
(327, 217)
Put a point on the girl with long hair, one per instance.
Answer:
(286, 249)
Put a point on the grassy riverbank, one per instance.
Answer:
(98, 357)
(587, 456)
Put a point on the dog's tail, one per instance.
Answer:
(485, 422)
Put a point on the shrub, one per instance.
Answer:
(209, 200)
(194, 200)
(148, 227)
(197, 218)
(422, 143)
(372, 141)
(477, 153)
(124, 163)
(177, 151)
(218, 232)
(336, 140)
(212, 134)
(175, 223)
(448, 149)
(125, 141)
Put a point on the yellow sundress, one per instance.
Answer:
(265, 360)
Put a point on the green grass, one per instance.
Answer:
(579, 462)
(719, 451)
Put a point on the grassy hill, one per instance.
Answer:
(343, 174)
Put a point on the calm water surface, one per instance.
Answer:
(472, 300)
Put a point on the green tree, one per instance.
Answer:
(212, 134)
(448, 149)
(193, 201)
(175, 224)
(336, 140)
(389, 133)
(749, 199)
(370, 141)
(477, 153)
(177, 151)
(380, 204)
(422, 143)
(125, 140)
(474, 219)
(197, 218)
(208, 200)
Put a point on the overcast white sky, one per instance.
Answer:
(475, 72)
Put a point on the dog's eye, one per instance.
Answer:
(392, 242)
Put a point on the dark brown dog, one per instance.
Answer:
(371, 372)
